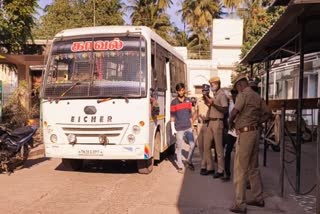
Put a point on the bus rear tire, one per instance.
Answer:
(145, 166)
(74, 164)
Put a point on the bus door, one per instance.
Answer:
(168, 137)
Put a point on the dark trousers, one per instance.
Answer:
(228, 141)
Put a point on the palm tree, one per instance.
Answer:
(180, 37)
(198, 15)
(232, 4)
(151, 14)
(199, 44)
(163, 4)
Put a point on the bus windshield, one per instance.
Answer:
(96, 67)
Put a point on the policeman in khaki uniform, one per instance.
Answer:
(201, 113)
(249, 111)
(218, 107)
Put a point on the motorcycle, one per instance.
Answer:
(15, 146)
(273, 132)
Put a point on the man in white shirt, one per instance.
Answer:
(229, 140)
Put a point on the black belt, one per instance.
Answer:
(214, 119)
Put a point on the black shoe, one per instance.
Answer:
(256, 203)
(203, 171)
(218, 175)
(209, 172)
(226, 178)
(236, 209)
(188, 165)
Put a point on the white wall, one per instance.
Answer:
(225, 77)
(225, 57)
(226, 49)
(227, 32)
(227, 37)
(182, 51)
(199, 72)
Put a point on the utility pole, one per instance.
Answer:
(94, 13)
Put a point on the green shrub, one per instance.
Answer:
(14, 113)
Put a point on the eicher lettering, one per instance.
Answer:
(90, 119)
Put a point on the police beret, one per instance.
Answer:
(238, 78)
(205, 87)
(214, 79)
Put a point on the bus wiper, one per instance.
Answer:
(103, 100)
(109, 98)
(68, 89)
(125, 98)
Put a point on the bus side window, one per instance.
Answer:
(153, 72)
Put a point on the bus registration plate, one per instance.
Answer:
(90, 152)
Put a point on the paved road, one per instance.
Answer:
(45, 186)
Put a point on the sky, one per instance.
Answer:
(176, 19)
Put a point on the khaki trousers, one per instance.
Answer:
(215, 133)
(246, 167)
(206, 161)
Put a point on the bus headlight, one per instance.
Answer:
(49, 129)
(136, 129)
(72, 138)
(131, 138)
(53, 138)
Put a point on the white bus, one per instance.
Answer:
(106, 95)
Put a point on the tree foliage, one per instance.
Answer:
(64, 14)
(258, 19)
(152, 13)
(198, 15)
(16, 22)
(180, 37)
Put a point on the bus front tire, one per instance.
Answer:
(74, 164)
(145, 166)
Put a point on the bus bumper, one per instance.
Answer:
(108, 152)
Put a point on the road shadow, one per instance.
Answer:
(104, 166)
(115, 166)
(35, 161)
(204, 194)
(28, 164)
(169, 155)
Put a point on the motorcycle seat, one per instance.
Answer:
(21, 132)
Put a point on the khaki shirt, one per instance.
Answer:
(202, 109)
(251, 108)
(219, 99)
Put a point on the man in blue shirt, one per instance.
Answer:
(181, 126)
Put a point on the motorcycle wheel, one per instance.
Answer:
(25, 154)
(22, 156)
